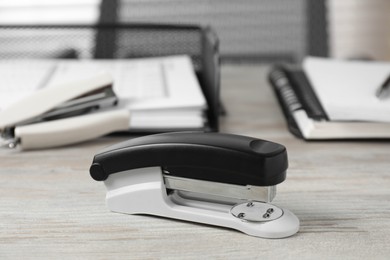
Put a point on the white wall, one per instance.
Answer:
(250, 27)
(359, 28)
(48, 11)
(26, 43)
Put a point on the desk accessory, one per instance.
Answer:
(57, 115)
(217, 179)
(120, 41)
(333, 100)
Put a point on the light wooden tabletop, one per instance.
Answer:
(51, 208)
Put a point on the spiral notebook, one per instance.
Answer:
(327, 99)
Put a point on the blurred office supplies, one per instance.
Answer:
(128, 41)
(218, 179)
(333, 99)
(160, 92)
(55, 115)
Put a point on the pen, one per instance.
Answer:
(384, 90)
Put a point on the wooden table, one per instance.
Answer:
(50, 207)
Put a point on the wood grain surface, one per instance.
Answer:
(50, 208)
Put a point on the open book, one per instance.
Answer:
(161, 93)
(334, 99)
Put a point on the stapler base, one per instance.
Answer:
(143, 192)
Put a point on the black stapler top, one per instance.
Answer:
(212, 157)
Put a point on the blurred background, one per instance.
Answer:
(251, 31)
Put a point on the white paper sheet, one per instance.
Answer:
(346, 89)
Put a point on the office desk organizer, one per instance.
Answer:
(122, 41)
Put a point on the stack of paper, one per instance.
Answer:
(347, 92)
(334, 99)
(347, 89)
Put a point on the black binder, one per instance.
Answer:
(293, 92)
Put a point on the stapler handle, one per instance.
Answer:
(214, 157)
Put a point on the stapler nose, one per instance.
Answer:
(218, 179)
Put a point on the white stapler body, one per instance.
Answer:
(56, 115)
(217, 179)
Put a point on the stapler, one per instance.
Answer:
(63, 114)
(211, 178)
